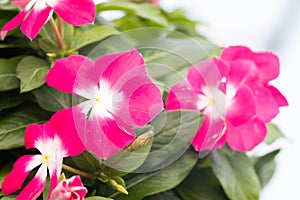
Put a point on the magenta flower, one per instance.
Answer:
(55, 140)
(69, 189)
(119, 95)
(234, 96)
(36, 13)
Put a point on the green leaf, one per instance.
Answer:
(87, 162)
(89, 36)
(51, 99)
(132, 157)
(10, 99)
(13, 124)
(31, 71)
(273, 133)
(236, 174)
(145, 11)
(47, 41)
(170, 194)
(265, 167)
(8, 77)
(173, 131)
(201, 184)
(97, 198)
(164, 179)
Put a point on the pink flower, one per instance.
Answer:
(69, 189)
(119, 95)
(36, 13)
(234, 96)
(55, 140)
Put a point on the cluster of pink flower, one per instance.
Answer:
(232, 91)
(234, 94)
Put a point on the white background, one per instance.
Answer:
(262, 25)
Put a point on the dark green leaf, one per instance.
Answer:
(97, 198)
(51, 99)
(171, 194)
(89, 36)
(87, 162)
(8, 77)
(31, 71)
(201, 184)
(10, 99)
(236, 173)
(273, 133)
(4, 171)
(173, 131)
(145, 11)
(161, 180)
(13, 124)
(265, 167)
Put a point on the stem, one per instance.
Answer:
(59, 24)
(76, 171)
(57, 34)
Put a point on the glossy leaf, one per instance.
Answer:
(13, 124)
(265, 167)
(274, 133)
(8, 77)
(236, 174)
(31, 71)
(51, 99)
(164, 179)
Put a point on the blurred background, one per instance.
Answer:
(272, 25)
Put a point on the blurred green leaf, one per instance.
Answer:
(164, 179)
(13, 124)
(145, 11)
(8, 77)
(273, 133)
(265, 167)
(97, 198)
(10, 99)
(89, 36)
(236, 174)
(31, 71)
(170, 194)
(173, 131)
(201, 184)
(51, 99)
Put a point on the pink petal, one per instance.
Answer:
(73, 74)
(266, 106)
(208, 135)
(246, 136)
(280, 99)
(54, 172)
(181, 96)
(76, 12)
(13, 23)
(121, 66)
(67, 124)
(75, 183)
(142, 101)
(266, 62)
(105, 136)
(242, 107)
(36, 186)
(208, 73)
(14, 180)
(35, 132)
(37, 18)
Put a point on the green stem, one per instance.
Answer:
(77, 171)
(57, 34)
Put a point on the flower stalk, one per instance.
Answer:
(77, 171)
(58, 33)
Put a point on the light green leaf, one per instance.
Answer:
(273, 133)
(236, 174)
(164, 179)
(31, 71)
(13, 124)
(145, 11)
(89, 36)
(10, 99)
(8, 77)
(265, 167)
(97, 198)
(51, 99)
(173, 131)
